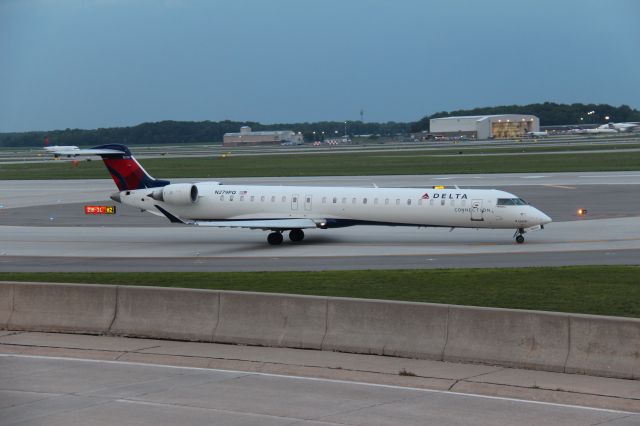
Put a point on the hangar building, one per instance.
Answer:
(485, 126)
(248, 137)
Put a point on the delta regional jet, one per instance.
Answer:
(295, 208)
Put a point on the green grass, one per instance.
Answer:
(599, 290)
(352, 164)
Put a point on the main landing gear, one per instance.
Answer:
(519, 236)
(275, 238)
(296, 235)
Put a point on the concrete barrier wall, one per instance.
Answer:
(271, 320)
(166, 313)
(63, 307)
(412, 330)
(605, 346)
(536, 340)
(6, 304)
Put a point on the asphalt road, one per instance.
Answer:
(54, 391)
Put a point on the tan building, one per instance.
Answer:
(248, 137)
(485, 126)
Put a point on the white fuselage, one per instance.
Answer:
(345, 206)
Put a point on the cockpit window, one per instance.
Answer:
(511, 202)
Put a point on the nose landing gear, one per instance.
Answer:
(519, 235)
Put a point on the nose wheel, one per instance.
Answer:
(519, 236)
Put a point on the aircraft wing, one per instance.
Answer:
(264, 224)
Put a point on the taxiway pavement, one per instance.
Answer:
(43, 227)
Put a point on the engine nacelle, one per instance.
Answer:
(179, 193)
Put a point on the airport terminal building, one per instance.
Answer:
(485, 126)
(248, 137)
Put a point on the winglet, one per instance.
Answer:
(172, 218)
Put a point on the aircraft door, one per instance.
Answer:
(294, 201)
(476, 210)
(307, 202)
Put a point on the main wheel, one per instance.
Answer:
(296, 235)
(520, 239)
(275, 238)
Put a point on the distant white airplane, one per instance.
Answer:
(58, 150)
(538, 134)
(294, 208)
(611, 128)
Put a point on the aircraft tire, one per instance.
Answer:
(275, 238)
(296, 235)
(520, 239)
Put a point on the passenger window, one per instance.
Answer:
(242, 198)
(409, 202)
(335, 200)
(442, 202)
(364, 201)
(231, 198)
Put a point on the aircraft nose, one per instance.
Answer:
(544, 219)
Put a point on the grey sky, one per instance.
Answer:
(104, 63)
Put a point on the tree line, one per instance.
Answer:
(188, 132)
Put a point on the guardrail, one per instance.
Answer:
(572, 343)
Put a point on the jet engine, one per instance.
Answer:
(179, 193)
